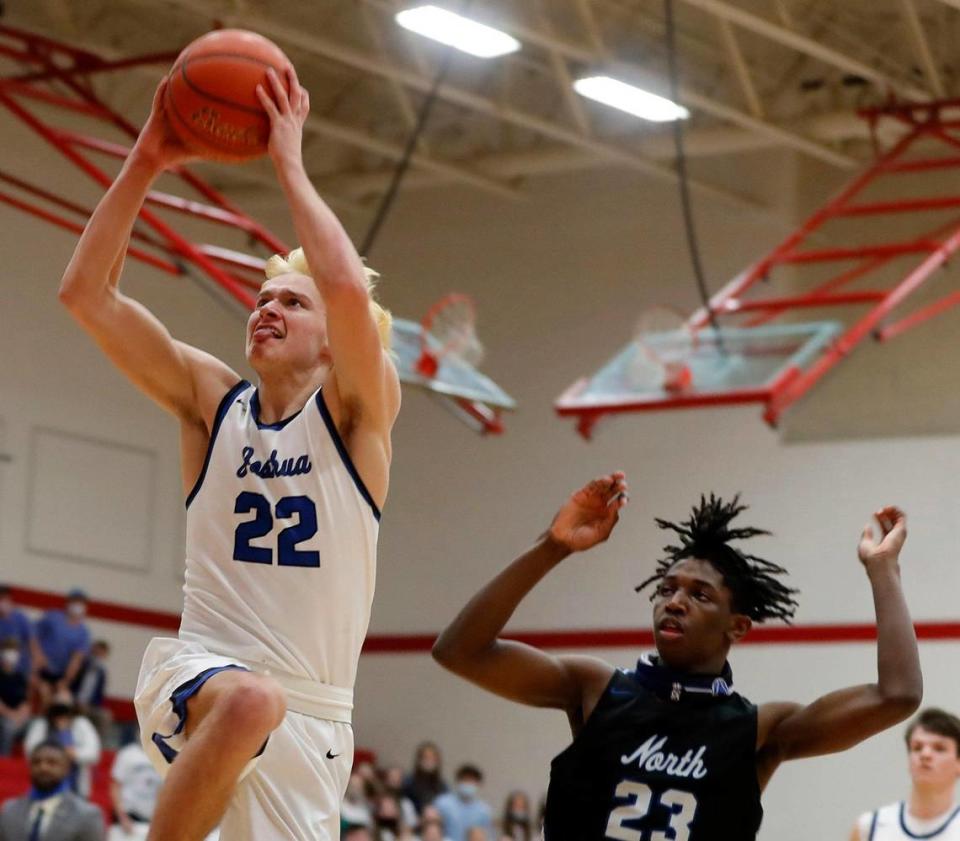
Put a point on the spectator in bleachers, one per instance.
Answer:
(393, 783)
(134, 784)
(15, 623)
(355, 808)
(431, 825)
(462, 809)
(388, 820)
(14, 708)
(516, 823)
(50, 811)
(357, 833)
(64, 642)
(90, 685)
(425, 783)
(74, 732)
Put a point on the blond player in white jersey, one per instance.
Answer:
(932, 811)
(284, 486)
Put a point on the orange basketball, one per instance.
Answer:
(211, 100)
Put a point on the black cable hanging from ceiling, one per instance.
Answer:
(681, 157)
(386, 203)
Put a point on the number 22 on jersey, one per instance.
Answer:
(682, 806)
(288, 555)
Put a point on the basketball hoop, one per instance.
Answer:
(665, 343)
(449, 330)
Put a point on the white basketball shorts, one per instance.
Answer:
(290, 792)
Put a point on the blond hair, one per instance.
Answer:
(296, 263)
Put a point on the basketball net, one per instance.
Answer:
(664, 345)
(449, 330)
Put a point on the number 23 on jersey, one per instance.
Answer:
(681, 804)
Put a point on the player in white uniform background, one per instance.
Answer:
(932, 811)
(284, 485)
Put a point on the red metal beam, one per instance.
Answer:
(101, 66)
(95, 144)
(908, 108)
(38, 51)
(861, 329)
(73, 207)
(921, 165)
(224, 214)
(74, 227)
(35, 40)
(254, 228)
(17, 55)
(740, 284)
(917, 318)
(827, 287)
(19, 183)
(489, 419)
(234, 258)
(50, 98)
(207, 212)
(829, 255)
(900, 206)
(177, 242)
(943, 135)
(813, 300)
(674, 401)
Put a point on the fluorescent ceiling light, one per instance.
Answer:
(457, 31)
(633, 100)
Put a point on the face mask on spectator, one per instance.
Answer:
(10, 657)
(77, 610)
(387, 823)
(467, 790)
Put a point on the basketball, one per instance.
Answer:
(211, 99)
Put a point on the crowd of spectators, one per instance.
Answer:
(53, 679)
(388, 804)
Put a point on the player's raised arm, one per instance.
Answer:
(471, 646)
(365, 377)
(843, 718)
(129, 334)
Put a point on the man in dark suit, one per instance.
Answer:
(50, 811)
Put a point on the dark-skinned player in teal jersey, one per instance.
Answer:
(668, 751)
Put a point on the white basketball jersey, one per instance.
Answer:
(281, 544)
(895, 823)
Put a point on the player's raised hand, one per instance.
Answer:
(885, 551)
(588, 517)
(157, 141)
(287, 113)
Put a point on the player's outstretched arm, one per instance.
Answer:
(365, 376)
(841, 719)
(471, 645)
(129, 334)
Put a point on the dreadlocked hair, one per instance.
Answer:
(707, 534)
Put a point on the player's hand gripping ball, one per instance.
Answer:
(211, 97)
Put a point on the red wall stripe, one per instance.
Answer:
(580, 638)
(99, 609)
(641, 637)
